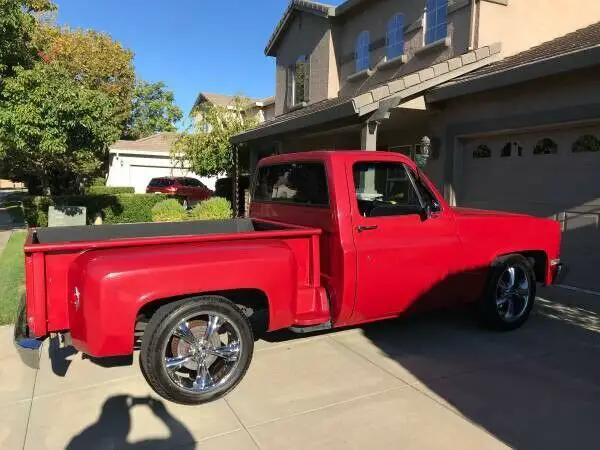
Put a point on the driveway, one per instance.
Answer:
(434, 381)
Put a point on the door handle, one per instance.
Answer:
(362, 228)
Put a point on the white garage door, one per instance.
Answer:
(140, 176)
(552, 173)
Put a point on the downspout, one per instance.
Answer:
(472, 27)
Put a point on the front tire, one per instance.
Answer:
(509, 294)
(196, 350)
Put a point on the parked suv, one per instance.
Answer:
(189, 190)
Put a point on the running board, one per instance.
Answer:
(312, 328)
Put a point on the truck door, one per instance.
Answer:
(403, 254)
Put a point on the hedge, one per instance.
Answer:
(169, 210)
(212, 209)
(97, 190)
(119, 208)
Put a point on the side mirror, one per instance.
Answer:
(425, 212)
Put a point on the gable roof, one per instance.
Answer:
(157, 143)
(320, 9)
(578, 49)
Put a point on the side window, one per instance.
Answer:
(363, 43)
(384, 189)
(297, 183)
(394, 37)
(427, 195)
(436, 20)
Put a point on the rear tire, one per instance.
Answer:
(196, 350)
(509, 295)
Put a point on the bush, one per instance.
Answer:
(97, 190)
(119, 208)
(214, 208)
(169, 210)
(98, 181)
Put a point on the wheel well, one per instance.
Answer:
(538, 260)
(253, 303)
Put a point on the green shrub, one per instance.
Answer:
(119, 208)
(98, 181)
(109, 190)
(169, 210)
(214, 208)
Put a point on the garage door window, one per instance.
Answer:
(586, 143)
(482, 151)
(506, 150)
(545, 146)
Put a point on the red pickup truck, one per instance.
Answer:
(334, 238)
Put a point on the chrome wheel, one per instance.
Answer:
(513, 293)
(202, 352)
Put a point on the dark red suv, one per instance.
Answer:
(189, 190)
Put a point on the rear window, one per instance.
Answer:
(297, 183)
(161, 182)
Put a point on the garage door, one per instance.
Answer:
(552, 173)
(140, 176)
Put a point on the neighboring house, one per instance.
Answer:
(264, 108)
(135, 163)
(507, 91)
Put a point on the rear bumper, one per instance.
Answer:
(560, 273)
(29, 347)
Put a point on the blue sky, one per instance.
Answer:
(191, 45)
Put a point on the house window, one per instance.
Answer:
(506, 150)
(394, 37)
(545, 146)
(586, 143)
(436, 20)
(298, 81)
(362, 51)
(482, 151)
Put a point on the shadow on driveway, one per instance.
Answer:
(534, 388)
(112, 427)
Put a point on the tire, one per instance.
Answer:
(202, 369)
(500, 299)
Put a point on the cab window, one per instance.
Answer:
(296, 183)
(385, 189)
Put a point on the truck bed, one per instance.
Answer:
(86, 233)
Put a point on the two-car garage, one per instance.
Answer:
(552, 172)
(523, 135)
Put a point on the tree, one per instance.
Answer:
(209, 153)
(53, 129)
(153, 110)
(94, 60)
(17, 33)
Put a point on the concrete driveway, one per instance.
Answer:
(435, 381)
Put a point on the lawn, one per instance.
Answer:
(12, 277)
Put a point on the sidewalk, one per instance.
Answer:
(428, 382)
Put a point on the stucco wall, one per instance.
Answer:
(374, 18)
(522, 24)
(307, 34)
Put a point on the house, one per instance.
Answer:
(135, 163)
(501, 97)
(264, 108)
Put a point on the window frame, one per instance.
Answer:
(430, 31)
(409, 173)
(291, 73)
(397, 22)
(322, 163)
(362, 44)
